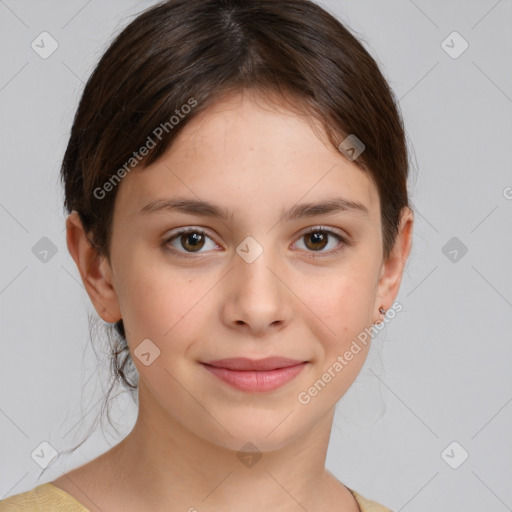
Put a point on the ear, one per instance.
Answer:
(94, 270)
(392, 269)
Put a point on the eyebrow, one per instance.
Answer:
(205, 208)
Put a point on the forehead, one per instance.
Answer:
(244, 151)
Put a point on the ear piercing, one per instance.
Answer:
(382, 311)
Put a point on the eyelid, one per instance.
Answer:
(329, 229)
(185, 229)
(173, 234)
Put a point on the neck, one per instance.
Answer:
(167, 465)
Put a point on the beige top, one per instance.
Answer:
(50, 498)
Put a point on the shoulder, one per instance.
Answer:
(43, 498)
(365, 504)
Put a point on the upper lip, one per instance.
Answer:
(244, 363)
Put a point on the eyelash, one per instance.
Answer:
(311, 254)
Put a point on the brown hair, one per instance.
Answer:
(183, 51)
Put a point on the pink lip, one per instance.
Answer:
(256, 375)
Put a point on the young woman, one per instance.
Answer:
(236, 183)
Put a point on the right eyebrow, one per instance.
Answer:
(190, 206)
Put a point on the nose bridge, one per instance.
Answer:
(258, 264)
(257, 295)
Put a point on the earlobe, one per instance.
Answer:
(94, 270)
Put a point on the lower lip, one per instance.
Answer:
(257, 381)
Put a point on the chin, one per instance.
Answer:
(267, 434)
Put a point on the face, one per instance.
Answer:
(269, 278)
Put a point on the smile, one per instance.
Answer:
(252, 380)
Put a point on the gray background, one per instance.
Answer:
(438, 373)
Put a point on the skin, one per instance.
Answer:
(255, 160)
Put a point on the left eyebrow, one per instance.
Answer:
(205, 208)
(330, 206)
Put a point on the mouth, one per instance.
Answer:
(255, 375)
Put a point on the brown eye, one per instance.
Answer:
(189, 241)
(317, 239)
(192, 241)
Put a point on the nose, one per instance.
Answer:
(258, 300)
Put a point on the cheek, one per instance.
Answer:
(163, 305)
(342, 300)
(343, 314)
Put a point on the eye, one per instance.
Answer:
(317, 239)
(192, 240)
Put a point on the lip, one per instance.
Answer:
(255, 375)
(245, 363)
